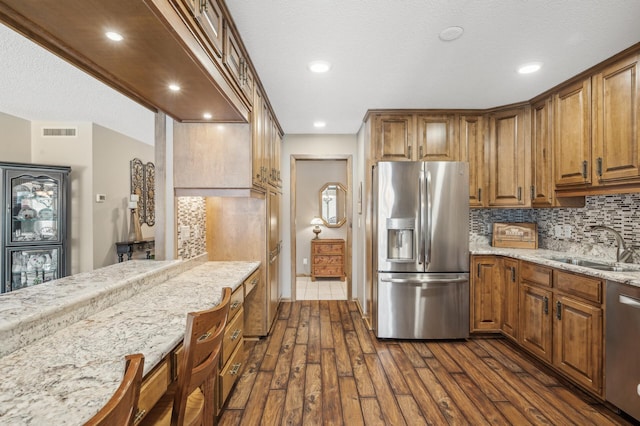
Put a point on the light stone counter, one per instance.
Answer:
(67, 376)
(544, 257)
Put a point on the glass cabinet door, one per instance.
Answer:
(35, 208)
(28, 267)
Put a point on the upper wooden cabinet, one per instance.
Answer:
(415, 137)
(471, 135)
(437, 139)
(393, 136)
(509, 158)
(542, 184)
(267, 141)
(616, 121)
(572, 123)
(235, 61)
(209, 15)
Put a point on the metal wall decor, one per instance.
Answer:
(143, 184)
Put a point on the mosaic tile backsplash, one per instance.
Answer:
(564, 229)
(191, 212)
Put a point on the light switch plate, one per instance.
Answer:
(101, 198)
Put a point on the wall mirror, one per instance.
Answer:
(333, 204)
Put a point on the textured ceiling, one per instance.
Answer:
(385, 54)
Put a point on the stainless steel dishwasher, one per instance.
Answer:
(622, 367)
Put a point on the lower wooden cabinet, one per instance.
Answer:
(553, 314)
(327, 258)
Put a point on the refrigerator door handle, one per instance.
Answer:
(425, 281)
(427, 237)
(421, 219)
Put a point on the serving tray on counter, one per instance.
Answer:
(515, 235)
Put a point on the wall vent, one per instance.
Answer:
(65, 132)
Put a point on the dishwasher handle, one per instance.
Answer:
(425, 281)
(629, 301)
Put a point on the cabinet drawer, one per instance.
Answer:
(251, 282)
(327, 260)
(536, 274)
(232, 336)
(154, 386)
(578, 285)
(230, 374)
(235, 304)
(332, 248)
(330, 270)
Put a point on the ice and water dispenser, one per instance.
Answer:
(400, 236)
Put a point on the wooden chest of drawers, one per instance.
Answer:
(327, 259)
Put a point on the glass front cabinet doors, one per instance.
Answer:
(35, 224)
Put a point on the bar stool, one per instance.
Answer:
(121, 409)
(190, 401)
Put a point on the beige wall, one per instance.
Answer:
(15, 139)
(311, 175)
(112, 152)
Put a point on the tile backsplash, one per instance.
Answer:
(564, 229)
(191, 213)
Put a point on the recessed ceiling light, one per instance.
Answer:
(530, 67)
(113, 36)
(174, 87)
(319, 124)
(207, 116)
(319, 66)
(451, 33)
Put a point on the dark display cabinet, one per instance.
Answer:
(35, 224)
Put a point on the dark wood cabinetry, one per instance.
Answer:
(485, 304)
(509, 292)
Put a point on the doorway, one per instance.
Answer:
(309, 174)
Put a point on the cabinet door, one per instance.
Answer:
(485, 293)
(578, 341)
(234, 60)
(394, 137)
(257, 123)
(509, 280)
(572, 131)
(437, 138)
(542, 185)
(535, 320)
(211, 21)
(507, 159)
(472, 150)
(616, 133)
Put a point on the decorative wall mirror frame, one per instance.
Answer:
(333, 204)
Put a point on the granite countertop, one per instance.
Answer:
(67, 376)
(545, 257)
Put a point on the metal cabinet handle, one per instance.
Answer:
(420, 149)
(479, 195)
(599, 166)
(409, 151)
(513, 274)
(235, 369)
(478, 270)
(585, 164)
(235, 305)
(532, 192)
(558, 310)
(235, 335)
(519, 193)
(139, 415)
(546, 305)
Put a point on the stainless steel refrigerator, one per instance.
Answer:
(421, 250)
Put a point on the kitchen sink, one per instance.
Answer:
(602, 266)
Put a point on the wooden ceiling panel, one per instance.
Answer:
(150, 57)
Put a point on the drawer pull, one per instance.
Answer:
(235, 334)
(235, 305)
(546, 305)
(254, 281)
(139, 415)
(236, 367)
(204, 336)
(558, 310)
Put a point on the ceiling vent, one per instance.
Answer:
(56, 132)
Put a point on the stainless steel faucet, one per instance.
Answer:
(623, 254)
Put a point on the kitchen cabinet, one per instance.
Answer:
(258, 146)
(34, 240)
(616, 121)
(236, 63)
(542, 183)
(209, 15)
(393, 136)
(437, 139)
(509, 281)
(327, 258)
(535, 322)
(578, 329)
(485, 304)
(572, 134)
(471, 131)
(509, 158)
(267, 142)
(274, 255)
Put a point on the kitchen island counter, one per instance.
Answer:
(68, 375)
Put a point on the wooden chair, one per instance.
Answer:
(190, 400)
(121, 409)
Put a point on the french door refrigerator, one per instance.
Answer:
(421, 250)
(34, 244)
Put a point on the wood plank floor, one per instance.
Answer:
(320, 365)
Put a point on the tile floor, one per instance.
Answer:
(321, 289)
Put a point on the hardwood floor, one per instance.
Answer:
(320, 365)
